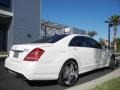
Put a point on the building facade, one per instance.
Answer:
(73, 30)
(19, 22)
(49, 28)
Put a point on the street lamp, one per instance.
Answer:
(109, 25)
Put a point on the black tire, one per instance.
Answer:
(112, 63)
(68, 74)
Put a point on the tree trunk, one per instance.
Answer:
(115, 37)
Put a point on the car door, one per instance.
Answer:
(100, 57)
(85, 55)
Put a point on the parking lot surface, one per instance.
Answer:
(9, 81)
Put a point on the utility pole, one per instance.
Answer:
(109, 25)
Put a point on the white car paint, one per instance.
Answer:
(56, 54)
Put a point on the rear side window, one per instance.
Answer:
(78, 41)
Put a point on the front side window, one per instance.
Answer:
(93, 44)
(82, 41)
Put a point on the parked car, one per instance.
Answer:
(60, 57)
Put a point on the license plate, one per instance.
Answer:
(16, 54)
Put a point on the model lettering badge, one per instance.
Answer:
(16, 54)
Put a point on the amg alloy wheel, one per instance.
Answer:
(69, 73)
(112, 63)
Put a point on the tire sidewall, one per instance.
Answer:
(112, 63)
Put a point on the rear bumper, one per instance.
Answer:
(33, 70)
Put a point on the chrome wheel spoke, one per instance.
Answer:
(73, 71)
(72, 68)
(69, 79)
(66, 73)
(75, 74)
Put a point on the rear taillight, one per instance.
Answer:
(34, 55)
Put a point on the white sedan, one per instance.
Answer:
(59, 57)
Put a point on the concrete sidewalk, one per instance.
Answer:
(91, 84)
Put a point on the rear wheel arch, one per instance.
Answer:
(64, 59)
(70, 59)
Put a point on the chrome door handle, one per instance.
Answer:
(75, 49)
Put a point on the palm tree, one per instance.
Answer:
(92, 33)
(115, 21)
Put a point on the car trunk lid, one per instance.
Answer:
(19, 52)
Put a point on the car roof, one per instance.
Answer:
(78, 35)
(70, 35)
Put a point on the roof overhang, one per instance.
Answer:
(4, 13)
(52, 24)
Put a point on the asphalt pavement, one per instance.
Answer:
(9, 81)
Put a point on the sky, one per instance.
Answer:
(88, 15)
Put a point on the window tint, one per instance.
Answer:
(79, 41)
(51, 39)
(92, 43)
(82, 41)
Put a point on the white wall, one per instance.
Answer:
(26, 21)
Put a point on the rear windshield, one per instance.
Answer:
(51, 39)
